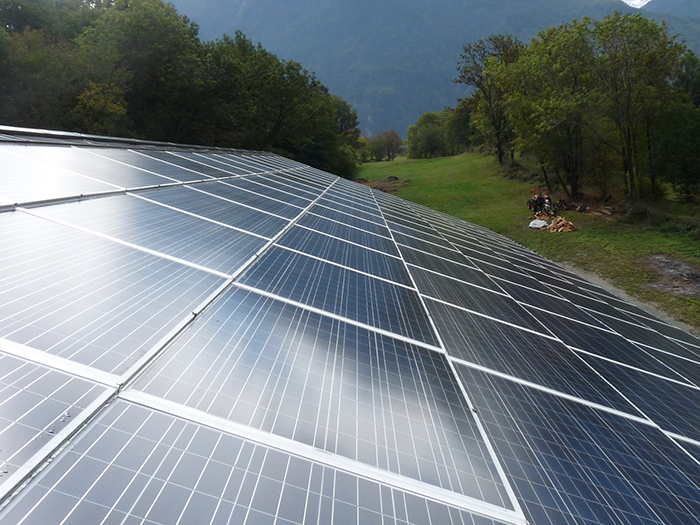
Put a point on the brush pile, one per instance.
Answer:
(560, 225)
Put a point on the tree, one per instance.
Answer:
(490, 116)
(688, 79)
(636, 61)
(676, 148)
(153, 54)
(552, 100)
(427, 138)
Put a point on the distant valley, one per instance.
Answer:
(394, 60)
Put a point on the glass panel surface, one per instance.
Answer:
(87, 299)
(143, 161)
(341, 292)
(671, 405)
(90, 162)
(161, 229)
(428, 247)
(475, 299)
(522, 354)
(26, 180)
(135, 465)
(603, 343)
(291, 185)
(353, 211)
(211, 162)
(344, 218)
(36, 403)
(256, 196)
(350, 255)
(202, 200)
(572, 464)
(332, 386)
(348, 233)
(252, 184)
(197, 167)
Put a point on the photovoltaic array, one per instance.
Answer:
(209, 336)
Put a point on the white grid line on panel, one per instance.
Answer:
(634, 367)
(124, 243)
(333, 460)
(16, 482)
(196, 216)
(317, 258)
(247, 205)
(348, 225)
(337, 317)
(350, 242)
(639, 419)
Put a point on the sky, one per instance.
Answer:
(636, 3)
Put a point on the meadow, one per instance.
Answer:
(635, 249)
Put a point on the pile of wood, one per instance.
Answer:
(540, 215)
(560, 225)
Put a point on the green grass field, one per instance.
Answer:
(472, 187)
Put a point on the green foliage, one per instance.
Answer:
(137, 67)
(676, 149)
(585, 99)
(385, 145)
(489, 114)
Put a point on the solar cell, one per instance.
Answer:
(570, 463)
(351, 255)
(87, 299)
(343, 292)
(327, 384)
(162, 229)
(348, 233)
(219, 203)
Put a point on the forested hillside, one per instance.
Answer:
(138, 68)
(674, 7)
(392, 60)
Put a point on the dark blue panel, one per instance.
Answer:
(197, 167)
(350, 209)
(330, 385)
(475, 299)
(571, 464)
(332, 249)
(222, 209)
(428, 247)
(341, 292)
(344, 218)
(522, 354)
(671, 405)
(141, 159)
(602, 343)
(348, 233)
(259, 186)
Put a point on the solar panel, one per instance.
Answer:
(196, 335)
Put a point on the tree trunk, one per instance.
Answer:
(566, 190)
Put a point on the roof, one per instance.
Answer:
(198, 335)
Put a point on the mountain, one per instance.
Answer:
(391, 59)
(683, 8)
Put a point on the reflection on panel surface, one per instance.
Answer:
(348, 233)
(87, 299)
(522, 354)
(342, 292)
(330, 385)
(203, 200)
(569, 463)
(162, 229)
(36, 403)
(351, 255)
(24, 179)
(135, 465)
(671, 405)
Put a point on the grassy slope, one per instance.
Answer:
(470, 187)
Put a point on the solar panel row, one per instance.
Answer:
(209, 336)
